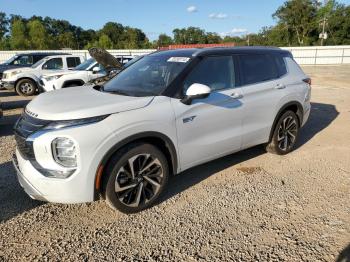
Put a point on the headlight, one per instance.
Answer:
(76, 122)
(64, 152)
(15, 73)
(49, 78)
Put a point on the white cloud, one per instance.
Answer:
(218, 16)
(234, 31)
(239, 30)
(192, 9)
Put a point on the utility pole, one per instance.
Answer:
(323, 36)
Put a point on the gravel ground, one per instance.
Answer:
(249, 206)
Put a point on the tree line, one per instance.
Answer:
(298, 23)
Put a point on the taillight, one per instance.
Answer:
(307, 80)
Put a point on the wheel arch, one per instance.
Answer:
(161, 141)
(73, 81)
(28, 78)
(294, 106)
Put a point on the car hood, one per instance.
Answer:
(21, 69)
(62, 72)
(4, 67)
(82, 102)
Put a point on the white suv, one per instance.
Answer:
(25, 80)
(83, 73)
(167, 112)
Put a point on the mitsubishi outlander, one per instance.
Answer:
(169, 111)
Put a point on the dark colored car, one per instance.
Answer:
(24, 60)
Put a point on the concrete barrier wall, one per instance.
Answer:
(313, 55)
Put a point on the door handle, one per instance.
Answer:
(236, 95)
(280, 86)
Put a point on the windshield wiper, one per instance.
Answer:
(118, 92)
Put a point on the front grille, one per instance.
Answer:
(25, 126)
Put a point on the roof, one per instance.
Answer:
(220, 51)
(43, 53)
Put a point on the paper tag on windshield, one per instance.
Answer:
(178, 59)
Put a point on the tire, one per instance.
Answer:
(132, 195)
(285, 134)
(26, 87)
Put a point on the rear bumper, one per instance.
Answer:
(307, 111)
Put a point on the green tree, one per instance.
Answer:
(38, 36)
(164, 40)
(134, 38)
(213, 38)
(338, 25)
(66, 40)
(115, 32)
(300, 17)
(105, 42)
(190, 35)
(18, 35)
(4, 22)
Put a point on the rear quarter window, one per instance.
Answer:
(281, 65)
(256, 68)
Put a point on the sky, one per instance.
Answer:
(225, 17)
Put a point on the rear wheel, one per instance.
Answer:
(137, 175)
(285, 134)
(26, 87)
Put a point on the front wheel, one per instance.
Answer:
(26, 87)
(285, 134)
(137, 175)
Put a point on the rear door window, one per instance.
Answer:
(24, 60)
(257, 68)
(73, 62)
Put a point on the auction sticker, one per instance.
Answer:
(178, 59)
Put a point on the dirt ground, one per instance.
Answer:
(249, 206)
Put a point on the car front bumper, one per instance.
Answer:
(24, 182)
(46, 86)
(39, 187)
(9, 85)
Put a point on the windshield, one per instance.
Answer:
(85, 65)
(39, 63)
(11, 60)
(149, 76)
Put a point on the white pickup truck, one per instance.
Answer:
(25, 80)
(85, 72)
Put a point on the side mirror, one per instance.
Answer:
(95, 69)
(195, 91)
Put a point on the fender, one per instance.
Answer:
(140, 136)
(32, 77)
(299, 113)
